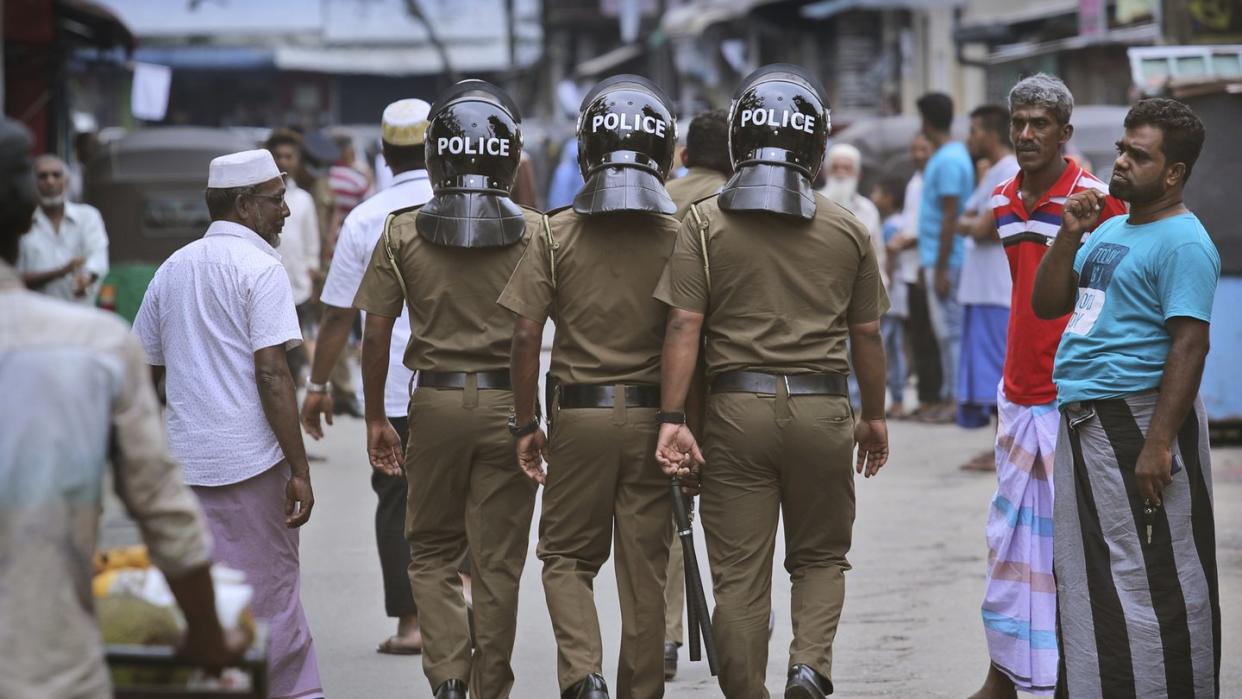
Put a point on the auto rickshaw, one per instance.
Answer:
(149, 187)
(1209, 194)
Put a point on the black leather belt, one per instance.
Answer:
(796, 384)
(581, 395)
(487, 380)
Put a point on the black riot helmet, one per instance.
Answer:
(778, 128)
(474, 144)
(626, 137)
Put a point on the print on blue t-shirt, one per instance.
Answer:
(1093, 283)
(1131, 281)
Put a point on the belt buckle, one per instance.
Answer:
(785, 377)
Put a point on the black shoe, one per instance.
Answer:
(452, 689)
(670, 660)
(346, 405)
(591, 687)
(805, 683)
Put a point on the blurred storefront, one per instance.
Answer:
(40, 38)
(304, 63)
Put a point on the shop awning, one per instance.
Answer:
(692, 19)
(825, 9)
(392, 60)
(1138, 35)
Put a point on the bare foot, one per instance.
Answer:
(996, 685)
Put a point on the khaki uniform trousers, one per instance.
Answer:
(603, 481)
(675, 592)
(466, 486)
(767, 455)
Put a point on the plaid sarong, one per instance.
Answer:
(1019, 603)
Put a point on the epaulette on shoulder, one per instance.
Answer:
(394, 217)
(406, 210)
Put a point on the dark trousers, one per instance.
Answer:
(394, 550)
(923, 347)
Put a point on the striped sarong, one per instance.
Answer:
(1019, 602)
(1136, 619)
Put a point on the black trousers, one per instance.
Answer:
(394, 551)
(923, 347)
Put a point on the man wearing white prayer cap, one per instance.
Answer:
(403, 130)
(216, 322)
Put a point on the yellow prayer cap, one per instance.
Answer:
(405, 122)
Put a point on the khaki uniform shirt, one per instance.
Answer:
(455, 324)
(698, 182)
(783, 291)
(609, 329)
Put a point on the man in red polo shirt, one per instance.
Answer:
(1019, 604)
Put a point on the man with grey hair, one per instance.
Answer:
(66, 252)
(217, 320)
(1020, 594)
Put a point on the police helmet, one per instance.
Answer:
(626, 138)
(778, 128)
(474, 145)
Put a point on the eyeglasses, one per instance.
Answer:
(280, 198)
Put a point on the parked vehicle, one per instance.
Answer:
(149, 186)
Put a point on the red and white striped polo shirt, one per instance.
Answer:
(1032, 342)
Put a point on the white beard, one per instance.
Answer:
(841, 189)
(53, 201)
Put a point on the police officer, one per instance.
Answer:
(448, 260)
(778, 278)
(594, 273)
(706, 157)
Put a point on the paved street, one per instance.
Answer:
(911, 624)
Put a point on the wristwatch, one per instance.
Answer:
(312, 387)
(671, 418)
(522, 430)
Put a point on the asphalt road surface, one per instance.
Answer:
(911, 624)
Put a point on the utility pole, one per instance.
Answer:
(416, 11)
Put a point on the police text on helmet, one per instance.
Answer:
(459, 145)
(787, 118)
(627, 122)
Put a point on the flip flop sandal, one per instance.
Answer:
(391, 647)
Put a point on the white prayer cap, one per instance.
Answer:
(847, 151)
(242, 169)
(405, 122)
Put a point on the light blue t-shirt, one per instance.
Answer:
(1131, 279)
(949, 173)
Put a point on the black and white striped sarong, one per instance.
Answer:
(1134, 619)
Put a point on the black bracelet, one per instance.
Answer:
(522, 430)
(671, 418)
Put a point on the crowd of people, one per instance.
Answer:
(737, 330)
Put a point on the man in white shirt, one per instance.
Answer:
(299, 241)
(844, 164)
(66, 252)
(217, 319)
(83, 405)
(903, 250)
(403, 128)
(986, 284)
